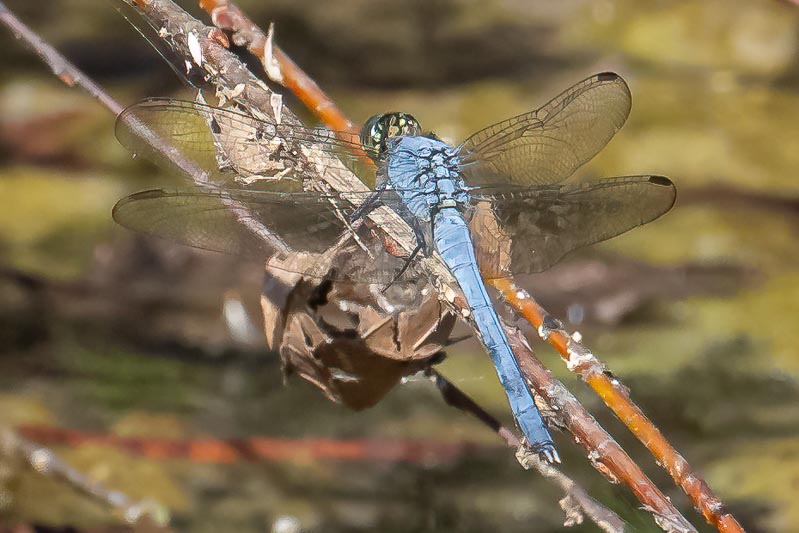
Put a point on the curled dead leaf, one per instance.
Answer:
(334, 336)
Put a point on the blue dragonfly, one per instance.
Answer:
(497, 205)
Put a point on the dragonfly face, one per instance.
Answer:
(379, 128)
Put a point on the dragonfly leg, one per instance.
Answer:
(371, 203)
(421, 246)
(432, 225)
(421, 240)
(404, 267)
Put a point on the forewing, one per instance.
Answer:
(233, 149)
(546, 146)
(260, 225)
(518, 231)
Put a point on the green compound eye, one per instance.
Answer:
(379, 128)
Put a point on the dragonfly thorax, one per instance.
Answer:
(425, 172)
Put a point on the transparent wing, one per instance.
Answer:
(260, 225)
(518, 231)
(233, 149)
(546, 146)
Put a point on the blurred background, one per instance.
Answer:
(104, 332)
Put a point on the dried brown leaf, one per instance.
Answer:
(335, 336)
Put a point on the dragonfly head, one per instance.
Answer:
(379, 128)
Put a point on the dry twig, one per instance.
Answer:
(47, 463)
(63, 69)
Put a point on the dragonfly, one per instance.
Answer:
(501, 203)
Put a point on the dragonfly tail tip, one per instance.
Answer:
(549, 454)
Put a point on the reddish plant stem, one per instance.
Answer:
(219, 451)
(212, 450)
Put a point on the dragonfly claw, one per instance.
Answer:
(548, 453)
(545, 451)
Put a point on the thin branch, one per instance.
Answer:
(63, 69)
(45, 462)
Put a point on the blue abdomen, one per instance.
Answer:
(454, 244)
